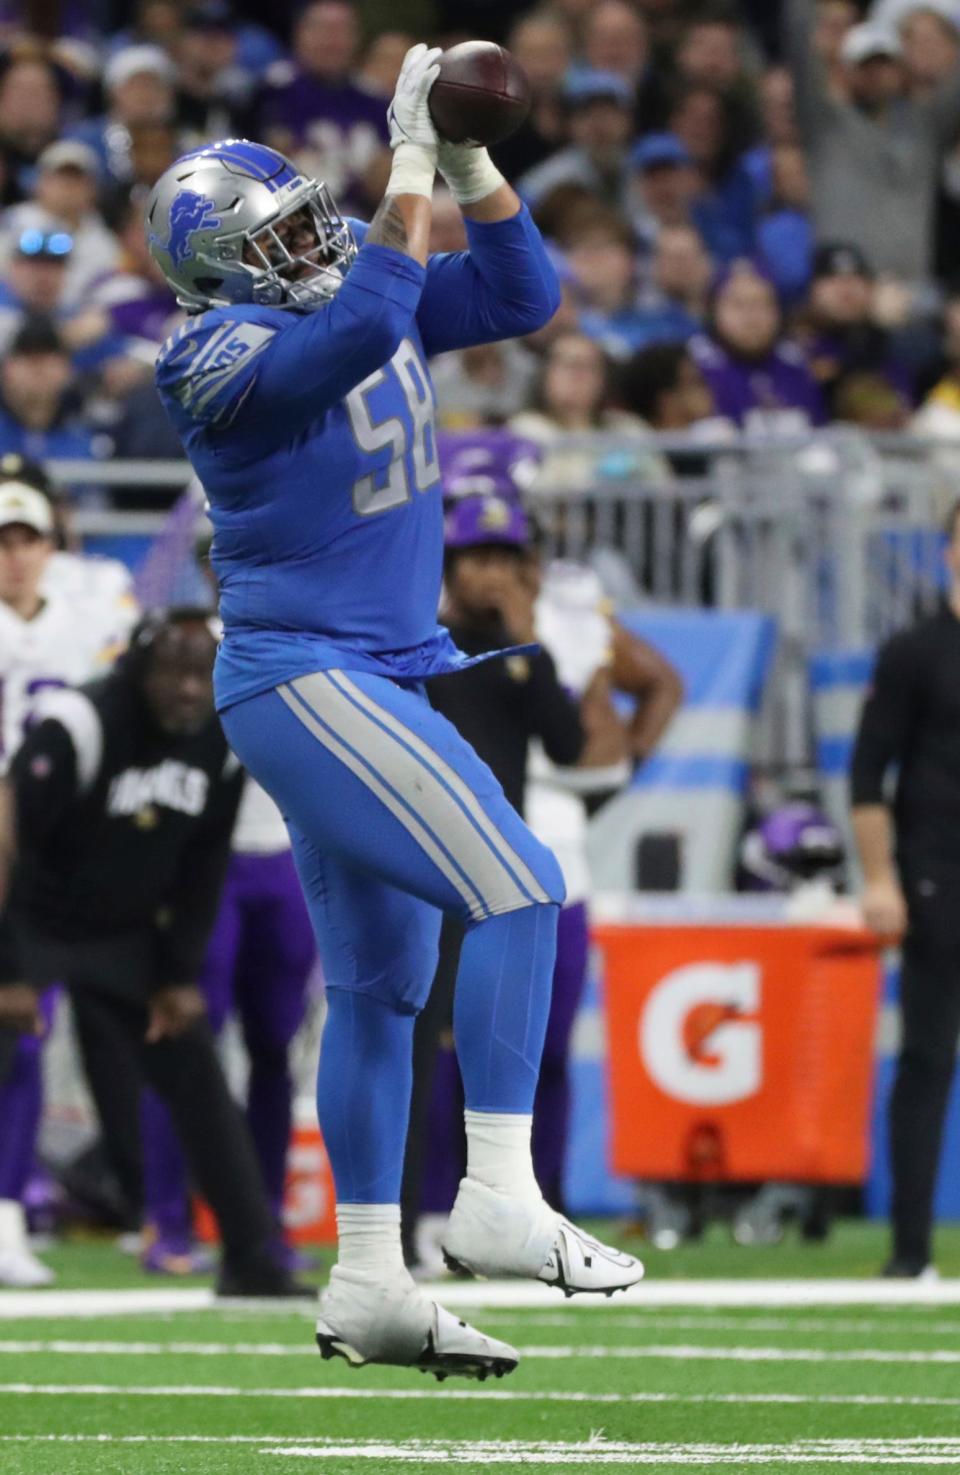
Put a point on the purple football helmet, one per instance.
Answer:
(795, 843)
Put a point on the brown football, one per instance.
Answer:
(481, 95)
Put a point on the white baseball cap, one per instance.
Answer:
(20, 503)
(133, 60)
(69, 153)
(947, 10)
(865, 41)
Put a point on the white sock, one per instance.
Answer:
(368, 1238)
(498, 1152)
(13, 1225)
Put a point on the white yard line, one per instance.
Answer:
(512, 1296)
(56, 1304)
(662, 1456)
(918, 1453)
(631, 1321)
(479, 1395)
(554, 1352)
(684, 1353)
(161, 1349)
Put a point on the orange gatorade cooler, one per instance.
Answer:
(740, 1052)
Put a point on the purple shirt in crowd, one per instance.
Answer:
(335, 131)
(137, 308)
(775, 395)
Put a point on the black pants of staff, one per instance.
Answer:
(930, 1006)
(108, 990)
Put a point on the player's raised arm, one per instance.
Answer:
(403, 220)
(324, 356)
(506, 285)
(237, 230)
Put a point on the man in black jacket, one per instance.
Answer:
(124, 797)
(910, 853)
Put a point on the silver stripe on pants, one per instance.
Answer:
(410, 791)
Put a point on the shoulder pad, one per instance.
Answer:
(209, 365)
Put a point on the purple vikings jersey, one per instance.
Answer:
(137, 308)
(335, 132)
(313, 437)
(776, 395)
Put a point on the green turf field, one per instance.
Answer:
(231, 1390)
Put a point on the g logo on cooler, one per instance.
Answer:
(694, 1040)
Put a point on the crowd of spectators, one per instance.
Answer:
(754, 208)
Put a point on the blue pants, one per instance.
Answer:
(394, 820)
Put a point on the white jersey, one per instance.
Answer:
(68, 642)
(103, 586)
(573, 624)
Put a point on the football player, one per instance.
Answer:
(60, 624)
(300, 390)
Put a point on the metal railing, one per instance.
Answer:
(837, 534)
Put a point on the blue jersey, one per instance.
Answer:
(313, 437)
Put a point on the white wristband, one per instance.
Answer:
(413, 170)
(470, 172)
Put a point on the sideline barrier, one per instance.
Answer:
(693, 787)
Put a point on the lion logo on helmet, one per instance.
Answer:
(189, 213)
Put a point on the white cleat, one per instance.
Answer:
(394, 1322)
(19, 1267)
(491, 1235)
(21, 1270)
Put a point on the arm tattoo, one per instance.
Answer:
(387, 227)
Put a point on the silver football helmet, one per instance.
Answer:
(236, 222)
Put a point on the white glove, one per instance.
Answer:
(469, 171)
(408, 113)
